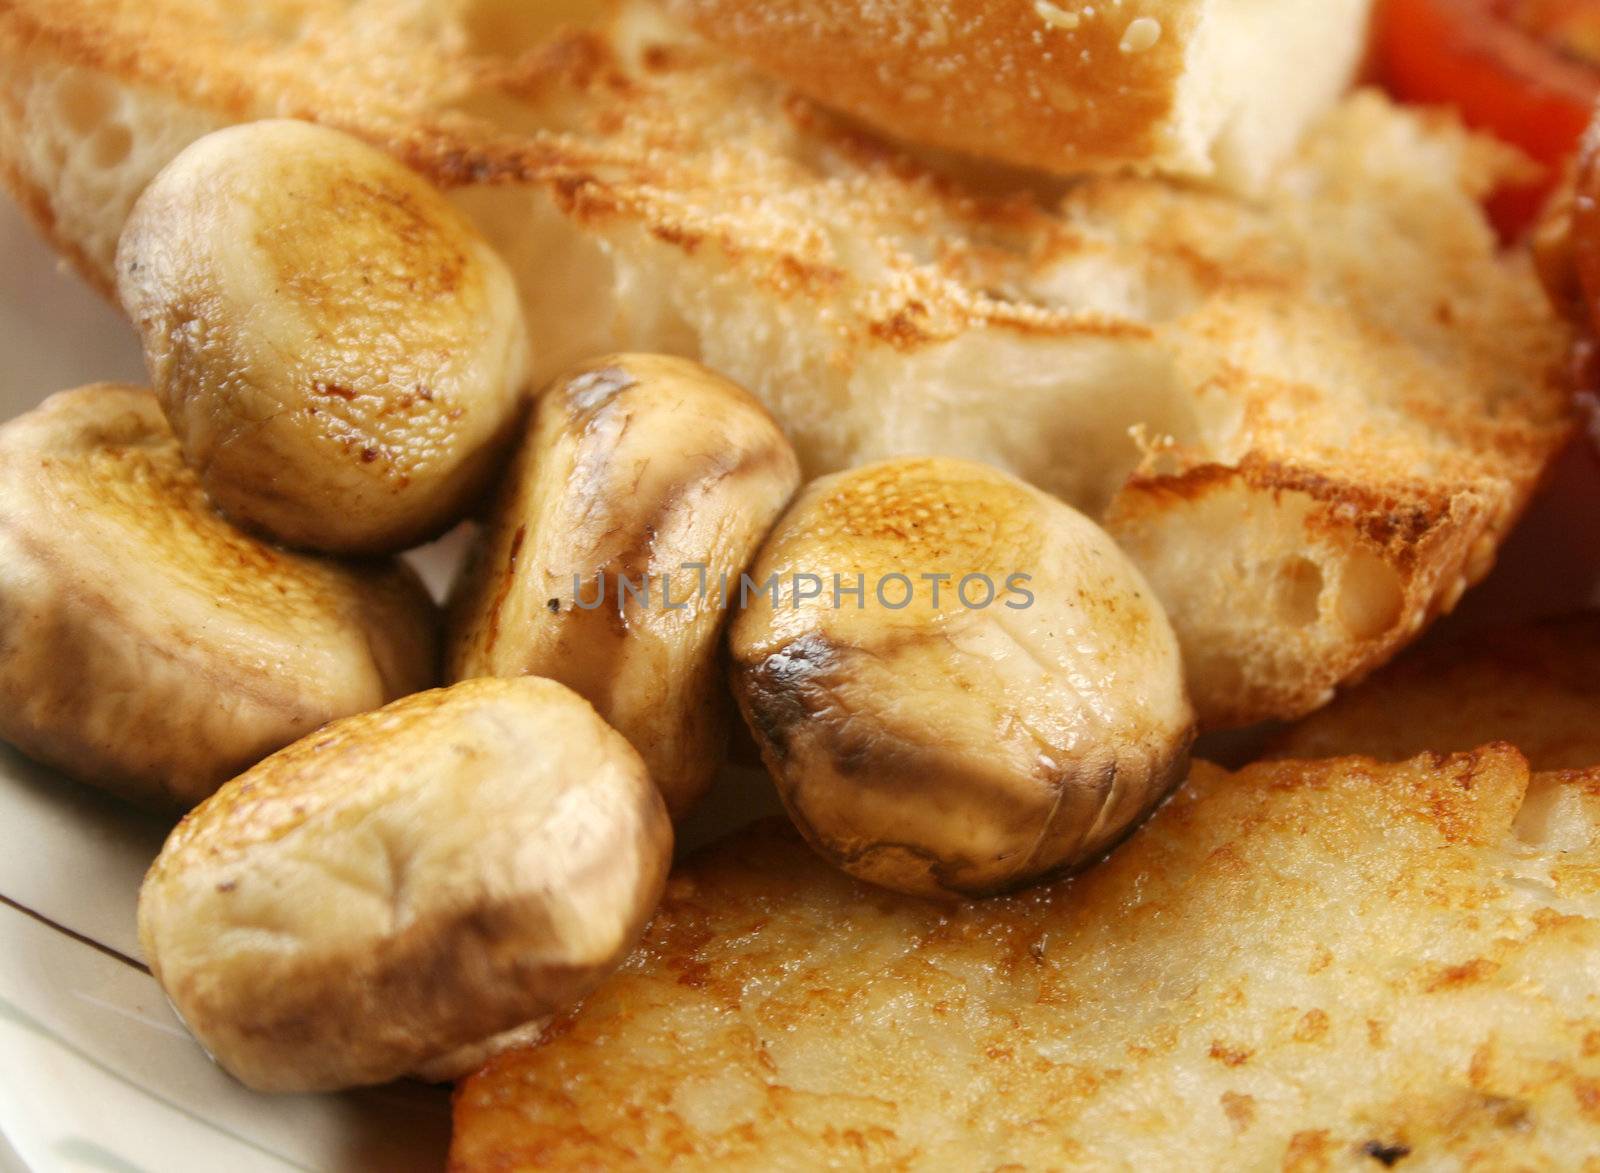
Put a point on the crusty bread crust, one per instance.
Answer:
(1309, 417)
(1048, 89)
(1070, 86)
(1536, 686)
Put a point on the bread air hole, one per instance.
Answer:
(1298, 591)
(1371, 596)
(84, 102)
(112, 145)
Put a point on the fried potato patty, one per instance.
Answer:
(1329, 965)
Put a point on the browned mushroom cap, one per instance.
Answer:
(406, 883)
(147, 646)
(339, 351)
(637, 468)
(967, 734)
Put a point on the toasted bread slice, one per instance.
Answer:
(1309, 418)
(1535, 686)
(1303, 965)
(1215, 88)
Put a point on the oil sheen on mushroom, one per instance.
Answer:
(150, 648)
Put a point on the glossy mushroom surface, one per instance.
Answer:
(149, 647)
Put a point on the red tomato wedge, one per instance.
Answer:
(1527, 71)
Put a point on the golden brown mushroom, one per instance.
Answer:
(149, 647)
(959, 683)
(405, 884)
(339, 351)
(645, 485)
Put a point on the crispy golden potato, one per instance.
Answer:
(1536, 686)
(1310, 966)
(338, 349)
(644, 484)
(1002, 698)
(392, 891)
(150, 648)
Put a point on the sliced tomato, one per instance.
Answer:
(1527, 71)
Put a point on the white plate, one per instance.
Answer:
(95, 1071)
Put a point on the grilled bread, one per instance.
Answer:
(1328, 965)
(1308, 417)
(1535, 686)
(1214, 88)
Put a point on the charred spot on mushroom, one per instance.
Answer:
(260, 248)
(1388, 1155)
(785, 690)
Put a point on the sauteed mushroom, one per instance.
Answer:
(645, 485)
(147, 646)
(337, 348)
(967, 734)
(406, 883)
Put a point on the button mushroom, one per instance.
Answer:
(406, 883)
(339, 351)
(959, 683)
(643, 490)
(146, 645)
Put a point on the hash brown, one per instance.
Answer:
(1302, 965)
